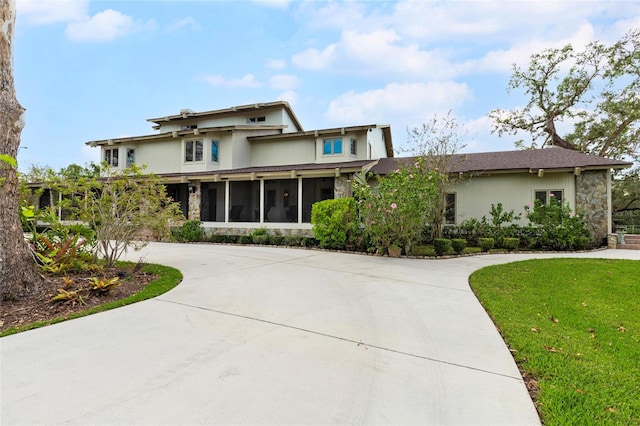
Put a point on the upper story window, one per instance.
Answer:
(545, 196)
(353, 147)
(332, 146)
(131, 156)
(215, 146)
(193, 151)
(260, 119)
(189, 126)
(111, 156)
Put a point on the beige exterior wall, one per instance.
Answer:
(475, 195)
(276, 153)
(361, 151)
(375, 138)
(274, 117)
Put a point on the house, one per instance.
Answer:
(518, 178)
(251, 166)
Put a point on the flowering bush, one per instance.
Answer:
(395, 209)
(559, 228)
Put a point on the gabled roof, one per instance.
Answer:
(514, 161)
(188, 114)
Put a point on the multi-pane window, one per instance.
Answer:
(215, 146)
(450, 208)
(332, 146)
(545, 196)
(111, 156)
(260, 119)
(131, 156)
(193, 151)
(353, 148)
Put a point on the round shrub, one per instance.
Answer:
(441, 246)
(582, 242)
(191, 231)
(486, 244)
(458, 245)
(511, 243)
(245, 239)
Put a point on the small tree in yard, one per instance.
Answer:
(121, 206)
(395, 209)
(437, 141)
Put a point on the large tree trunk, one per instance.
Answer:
(18, 273)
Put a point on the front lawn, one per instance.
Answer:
(574, 326)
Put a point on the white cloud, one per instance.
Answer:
(247, 81)
(105, 26)
(415, 102)
(289, 96)
(284, 82)
(185, 22)
(278, 4)
(315, 59)
(39, 12)
(276, 64)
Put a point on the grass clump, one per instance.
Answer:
(573, 325)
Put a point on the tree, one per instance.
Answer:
(18, 274)
(124, 207)
(594, 91)
(625, 193)
(437, 141)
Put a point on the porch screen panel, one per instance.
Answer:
(314, 190)
(281, 200)
(244, 201)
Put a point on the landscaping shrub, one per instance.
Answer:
(558, 227)
(335, 223)
(260, 236)
(582, 242)
(191, 231)
(458, 245)
(511, 243)
(486, 244)
(441, 246)
(293, 240)
(245, 239)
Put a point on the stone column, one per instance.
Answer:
(342, 187)
(592, 201)
(194, 200)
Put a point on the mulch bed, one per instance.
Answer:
(39, 307)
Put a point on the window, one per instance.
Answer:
(332, 146)
(450, 209)
(256, 119)
(189, 126)
(545, 196)
(131, 156)
(353, 148)
(111, 157)
(214, 151)
(193, 151)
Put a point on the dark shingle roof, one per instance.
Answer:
(549, 159)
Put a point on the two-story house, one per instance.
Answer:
(251, 165)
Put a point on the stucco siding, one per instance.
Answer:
(361, 150)
(160, 157)
(276, 153)
(375, 138)
(275, 117)
(475, 195)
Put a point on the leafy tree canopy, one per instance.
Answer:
(595, 91)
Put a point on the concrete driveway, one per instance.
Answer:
(258, 335)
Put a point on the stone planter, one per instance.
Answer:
(394, 251)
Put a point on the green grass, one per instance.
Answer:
(574, 325)
(167, 278)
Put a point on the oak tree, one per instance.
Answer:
(585, 100)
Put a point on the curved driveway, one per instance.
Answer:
(259, 335)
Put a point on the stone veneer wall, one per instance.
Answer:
(342, 187)
(194, 202)
(592, 202)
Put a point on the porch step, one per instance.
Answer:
(629, 246)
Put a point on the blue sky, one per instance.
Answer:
(87, 70)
